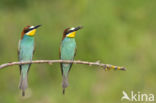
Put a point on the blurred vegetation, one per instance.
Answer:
(119, 32)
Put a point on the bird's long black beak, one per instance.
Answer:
(78, 28)
(36, 26)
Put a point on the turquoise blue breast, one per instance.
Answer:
(68, 48)
(26, 48)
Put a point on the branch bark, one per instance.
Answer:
(97, 63)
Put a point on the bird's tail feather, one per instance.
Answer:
(63, 91)
(65, 83)
(23, 84)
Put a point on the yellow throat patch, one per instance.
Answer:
(31, 33)
(71, 35)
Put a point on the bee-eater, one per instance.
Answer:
(25, 53)
(67, 52)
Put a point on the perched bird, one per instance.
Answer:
(25, 53)
(67, 52)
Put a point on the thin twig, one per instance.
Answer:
(104, 66)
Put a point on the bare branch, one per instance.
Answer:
(101, 65)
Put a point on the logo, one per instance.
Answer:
(140, 97)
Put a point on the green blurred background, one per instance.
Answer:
(119, 32)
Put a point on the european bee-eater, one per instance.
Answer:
(25, 53)
(67, 52)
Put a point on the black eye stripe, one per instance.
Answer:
(69, 31)
(26, 30)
